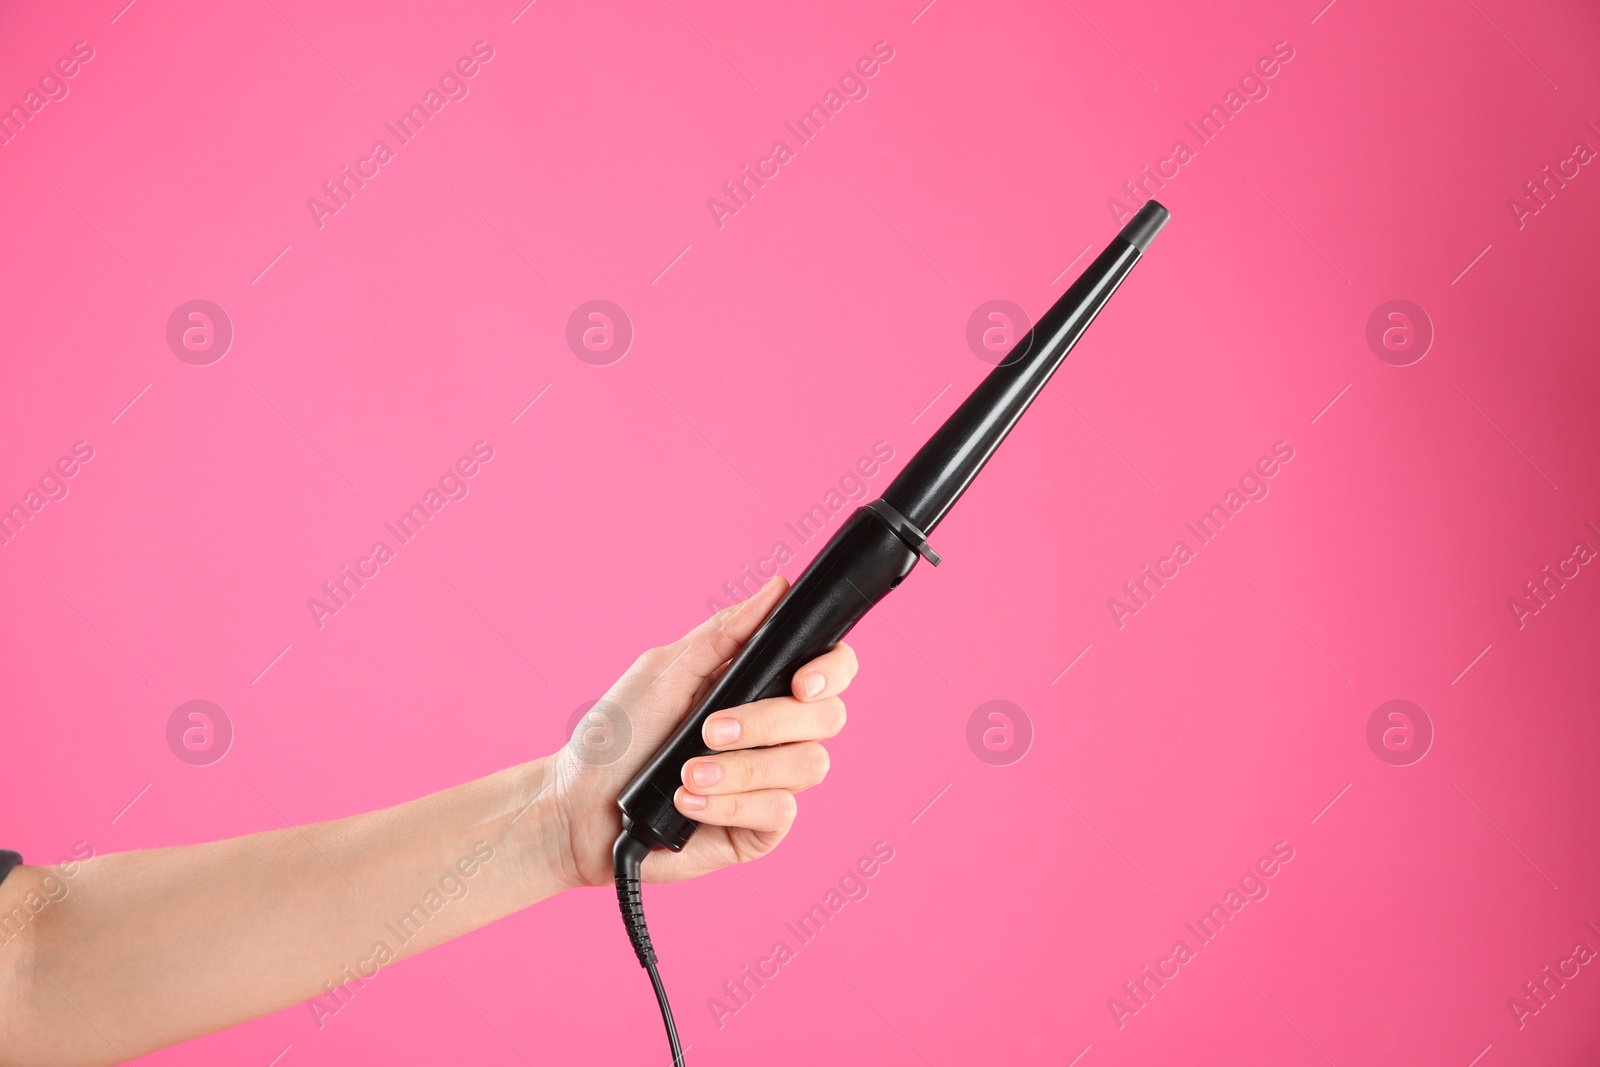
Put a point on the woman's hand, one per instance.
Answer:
(766, 752)
(319, 906)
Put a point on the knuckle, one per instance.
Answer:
(652, 661)
(834, 716)
(784, 807)
(737, 772)
(723, 644)
(755, 727)
(820, 762)
(715, 811)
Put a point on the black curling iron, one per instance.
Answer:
(867, 558)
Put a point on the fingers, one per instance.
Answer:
(781, 720)
(776, 721)
(767, 810)
(768, 751)
(697, 655)
(827, 675)
(793, 767)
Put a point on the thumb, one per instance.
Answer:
(698, 654)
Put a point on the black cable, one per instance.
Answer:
(666, 1015)
(627, 855)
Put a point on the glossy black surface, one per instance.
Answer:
(866, 558)
(934, 479)
(854, 570)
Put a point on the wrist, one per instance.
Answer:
(539, 831)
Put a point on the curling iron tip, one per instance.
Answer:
(1143, 227)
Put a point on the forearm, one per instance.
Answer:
(150, 948)
(118, 956)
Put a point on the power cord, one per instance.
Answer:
(627, 856)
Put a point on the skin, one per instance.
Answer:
(115, 964)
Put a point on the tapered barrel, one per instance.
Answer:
(874, 550)
(934, 478)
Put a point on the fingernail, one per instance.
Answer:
(815, 683)
(692, 801)
(705, 773)
(723, 731)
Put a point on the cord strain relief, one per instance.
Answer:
(632, 903)
(627, 857)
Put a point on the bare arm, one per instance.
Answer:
(149, 948)
(136, 951)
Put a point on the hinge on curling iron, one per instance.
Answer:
(903, 529)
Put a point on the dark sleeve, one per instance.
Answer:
(8, 860)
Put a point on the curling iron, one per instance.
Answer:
(862, 563)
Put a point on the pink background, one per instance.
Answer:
(828, 314)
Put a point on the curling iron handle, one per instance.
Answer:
(857, 568)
